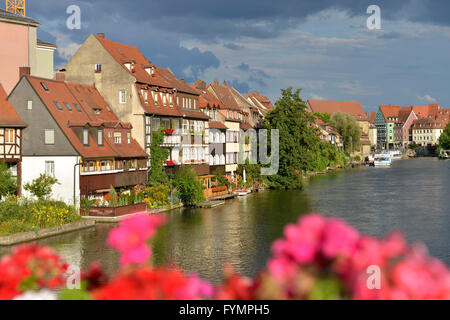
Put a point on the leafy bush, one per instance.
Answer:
(20, 215)
(42, 186)
(157, 196)
(189, 186)
(7, 182)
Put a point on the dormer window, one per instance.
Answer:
(128, 65)
(85, 136)
(100, 136)
(117, 137)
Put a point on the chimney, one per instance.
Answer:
(184, 81)
(216, 82)
(61, 75)
(24, 71)
(224, 84)
(101, 35)
(199, 84)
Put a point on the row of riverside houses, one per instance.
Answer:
(397, 127)
(91, 126)
(349, 107)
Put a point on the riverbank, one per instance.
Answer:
(23, 237)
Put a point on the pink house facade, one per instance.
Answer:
(18, 38)
(402, 129)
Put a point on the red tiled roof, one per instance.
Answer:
(63, 92)
(8, 116)
(331, 107)
(217, 125)
(245, 126)
(427, 123)
(390, 111)
(424, 111)
(225, 96)
(175, 82)
(207, 99)
(256, 97)
(241, 101)
(372, 117)
(152, 108)
(123, 53)
(193, 114)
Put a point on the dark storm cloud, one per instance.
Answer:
(242, 87)
(211, 20)
(233, 46)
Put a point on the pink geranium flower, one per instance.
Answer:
(131, 237)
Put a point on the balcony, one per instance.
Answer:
(100, 181)
(171, 141)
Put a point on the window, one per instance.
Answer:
(156, 124)
(128, 137)
(29, 105)
(117, 137)
(185, 126)
(58, 106)
(98, 68)
(122, 96)
(77, 107)
(68, 106)
(44, 86)
(86, 137)
(50, 168)
(49, 136)
(9, 136)
(100, 137)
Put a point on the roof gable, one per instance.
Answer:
(331, 107)
(8, 116)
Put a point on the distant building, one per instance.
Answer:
(74, 135)
(394, 123)
(349, 107)
(11, 128)
(45, 52)
(426, 131)
(385, 120)
(21, 48)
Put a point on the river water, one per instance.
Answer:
(412, 195)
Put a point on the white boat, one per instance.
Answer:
(242, 193)
(395, 155)
(382, 161)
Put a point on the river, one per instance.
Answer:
(412, 195)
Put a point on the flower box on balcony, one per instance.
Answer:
(219, 189)
(169, 132)
(170, 163)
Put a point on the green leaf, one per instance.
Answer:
(326, 289)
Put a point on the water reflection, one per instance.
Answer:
(412, 196)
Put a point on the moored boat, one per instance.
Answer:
(242, 192)
(382, 161)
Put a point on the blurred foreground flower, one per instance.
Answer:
(131, 237)
(30, 267)
(318, 258)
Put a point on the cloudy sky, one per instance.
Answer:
(321, 46)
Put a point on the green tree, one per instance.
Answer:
(7, 182)
(42, 186)
(299, 141)
(158, 155)
(189, 187)
(444, 139)
(325, 117)
(347, 126)
(221, 178)
(252, 173)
